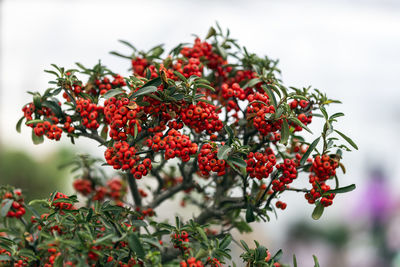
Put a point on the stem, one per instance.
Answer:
(134, 190)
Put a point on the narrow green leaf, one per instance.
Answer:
(245, 246)
(309, 150)
(223, 152)
(284, 132)
(250, 214)
(270, 95)
(336, 115)
(120, 55)
(183, 78)
(298, 122)
(323, 110)
(202, 234)
(318, 210)
(54, 107)
(252, 82)
(202, 85)
(294, 261)
(316, 263)
(153, 82)
(344, 189)
(237, 161)
(6, 205)
(277, 255)
(225, 242)
(37, 139)
(345, 137)
(113, 92)
(144, 91)
(127, 44)
(18, 126)
(136, 246)
(37, 100)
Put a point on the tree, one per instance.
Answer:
(211, 120)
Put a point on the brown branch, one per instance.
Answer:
(134, 190)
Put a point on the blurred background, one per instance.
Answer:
(349, 49)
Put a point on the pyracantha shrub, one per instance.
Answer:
(207, 119)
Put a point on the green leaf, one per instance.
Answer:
(202, 234)
(18, 126)
(152, 242)
(223, 152)
(245, 246)
(33, 122)
(284, 132)
(202, 85)
(309, 150)
(37, 139)
(229, 130)
(298, 122)
(54, 107)
(237, 161)
(294, 261)
(252, 82)
(249, 214)
(113, 92)
(6, 205)
(345, 189)
(270, 95)
(154, 82)
(135, 245)
(225, 242)
(144, 91)
(37, 99)
(323, 110)
(351, 142)
(119, 55)
(277, 255)
(318, 210)
(211, 32)
(201, 253)
(183, 78)
(128, 44)
(336, 115)
(316, 263)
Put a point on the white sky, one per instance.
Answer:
(349, 49)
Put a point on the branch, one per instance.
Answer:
(134, 190)
(95, 136)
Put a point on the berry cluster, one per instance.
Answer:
(214, 262)
(280, 205)
(261, 112)
(83, 186)
(52, 131)
(191, 262)
(303, 111)
(121, 116)
(289, 173)
(139, 65)
(260, 165)
(200, 117)
(106, 85)
(17, 209)
(89, 112)
(208, 161)
(322, 169)
(181, 240)
(59, 204)
(122, 156)
(175, 144)
(116, 189)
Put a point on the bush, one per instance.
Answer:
(210, 120)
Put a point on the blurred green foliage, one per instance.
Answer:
(37, 176)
